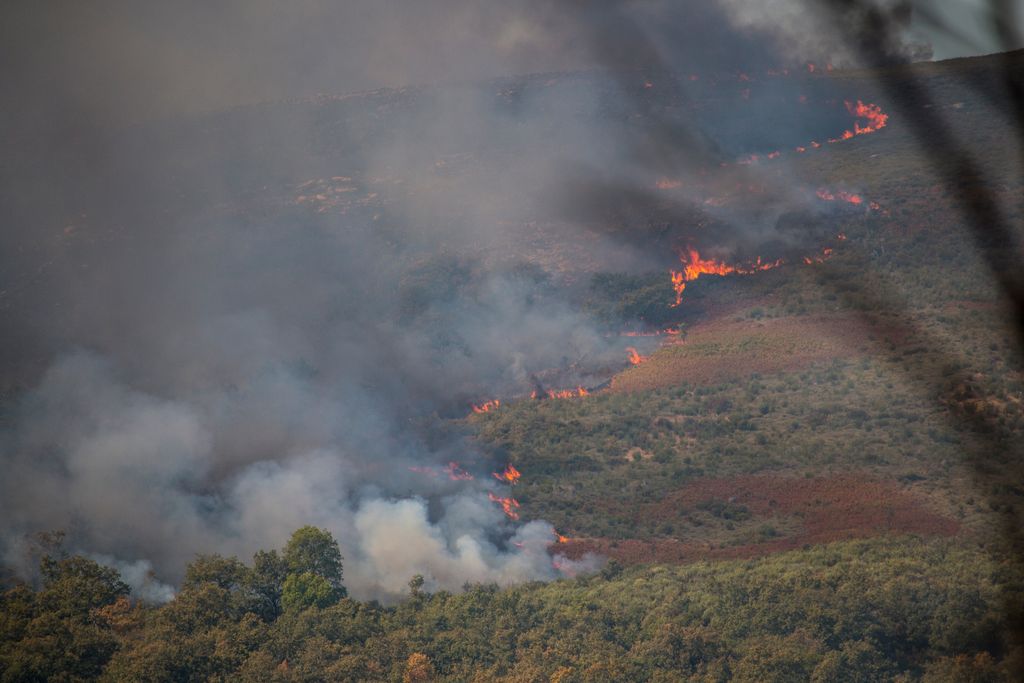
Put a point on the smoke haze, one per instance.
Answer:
(228, 321)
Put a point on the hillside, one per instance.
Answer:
(804, 464)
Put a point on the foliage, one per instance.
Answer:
(862, 610)
(306, 589)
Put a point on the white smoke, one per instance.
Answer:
(125, 469)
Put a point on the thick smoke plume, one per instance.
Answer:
(226, 323)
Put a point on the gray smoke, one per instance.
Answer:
(226, 324)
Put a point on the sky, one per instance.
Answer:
(134, 60)
(973, 33)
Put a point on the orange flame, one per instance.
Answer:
(508, 505)
(456, 473)
(566, 393)
(826, 254)
(510, 475)
(486, 406)
(634, 357)
(872, 112)
(695, 266)
(839, 195)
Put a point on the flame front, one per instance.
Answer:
(510, 475)
(564, 393)
(508, 505)
(486, 406)
(872, 112)
(840, 196)
(456, 473)
(634, 356)
(694, 266)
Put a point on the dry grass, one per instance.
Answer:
(818, 510)
(730, 349)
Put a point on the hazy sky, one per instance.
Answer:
(971, 23)
(139, 59)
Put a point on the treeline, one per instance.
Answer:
(896, 609)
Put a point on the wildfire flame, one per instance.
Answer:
(839, 195)
(486, 406)
(510, 475)
(826, 254)
(508, 505)
(634, 357)
(456, 473)
(872, 113)
(565, 393)
(694, 266)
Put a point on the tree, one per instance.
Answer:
(73, 586)
(61, 633)
(418, 669)
(264, 584)
(307, 589)
(314, 551)
(226, 572)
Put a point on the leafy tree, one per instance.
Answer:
(307, 589)
(314, 551)
(62, 632)
(418, 669)
(264, 584)
(74, 586)
(226, 572)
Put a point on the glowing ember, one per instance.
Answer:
(510, 475)
(839, 196)
(634, 357)
(826, 254)
(508, 505)
(456, 473)
(487, 406)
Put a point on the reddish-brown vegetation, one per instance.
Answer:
(825, 509)
(727, 349)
